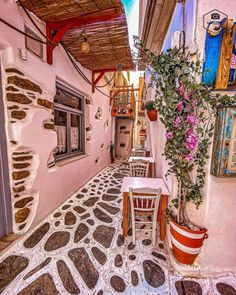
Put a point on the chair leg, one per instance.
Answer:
(154, 231)
(133, 229)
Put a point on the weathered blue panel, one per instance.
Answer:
(221, 142)
(212, 55)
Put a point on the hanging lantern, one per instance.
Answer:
(85, 45)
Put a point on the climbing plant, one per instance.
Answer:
(187, 109)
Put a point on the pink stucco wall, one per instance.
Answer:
(217, 213)
(55, 184)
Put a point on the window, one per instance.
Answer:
(32, 45)
(69, 122)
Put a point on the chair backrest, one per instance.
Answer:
(139, 168)
(144, 199)
(139, 153)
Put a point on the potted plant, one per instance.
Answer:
(151, 110)
(187, 109)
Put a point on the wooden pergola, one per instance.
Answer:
(106, 28)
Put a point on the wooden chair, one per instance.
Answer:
(139, 168)
(144, 201)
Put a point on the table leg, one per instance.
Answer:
(125, 213)
(153, 169)
(163, 206)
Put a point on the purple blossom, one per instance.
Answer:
(177, 122)
(188, 157)
(195, 102)
(169, 135)
(192, 119)
(180, 106)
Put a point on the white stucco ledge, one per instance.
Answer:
(70, 160)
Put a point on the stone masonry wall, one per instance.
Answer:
(22, 98)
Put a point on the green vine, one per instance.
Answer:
(187, 109)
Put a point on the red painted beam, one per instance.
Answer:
(56, 30)
(95, 81)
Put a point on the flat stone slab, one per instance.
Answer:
(70, 218)
(43, 285)
(57, 240)
(114, 191)
(79, 209)
(109, 198)
(117, 284)
(134, 278)
(225, 289)
(111, 209)
(153, 273)
(187, 287)
(158, 255)
(84, 266)
(67, 278)
(120, 240)
(37, 236)
(118, 260)
(119, 175)
(91, 201)
(81, 231)
(10, 268)
(99, 255)
(102, 216)
(104, 235)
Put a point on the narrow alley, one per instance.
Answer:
(79, 249)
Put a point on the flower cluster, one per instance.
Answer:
(186, 118)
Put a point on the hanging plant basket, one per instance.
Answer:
(186, 243)
(152, 115)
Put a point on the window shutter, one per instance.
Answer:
(225, 59)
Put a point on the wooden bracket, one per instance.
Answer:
(95, 81)
(56, 30)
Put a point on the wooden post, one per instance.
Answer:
(222, 77)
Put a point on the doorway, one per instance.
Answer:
(5, 192)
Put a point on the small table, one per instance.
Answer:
(148, 159)
(139, 182)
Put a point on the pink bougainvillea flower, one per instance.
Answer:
(195, 102)
(189, 131)
(177, 122)
(188, 157)
(180, 106)
(181, 89)
(169, 135)
(187, 95)
(192, 119)
(191, 141)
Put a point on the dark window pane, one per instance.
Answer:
(75, 132)
(60, 126)
(67, 99)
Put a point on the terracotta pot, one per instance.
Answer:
(186, 243)
(152, 115)
(114, 112)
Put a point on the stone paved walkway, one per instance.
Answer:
(79, 250)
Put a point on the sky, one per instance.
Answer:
(132, 14)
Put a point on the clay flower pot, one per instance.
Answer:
(186, 243)
(152, 115)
